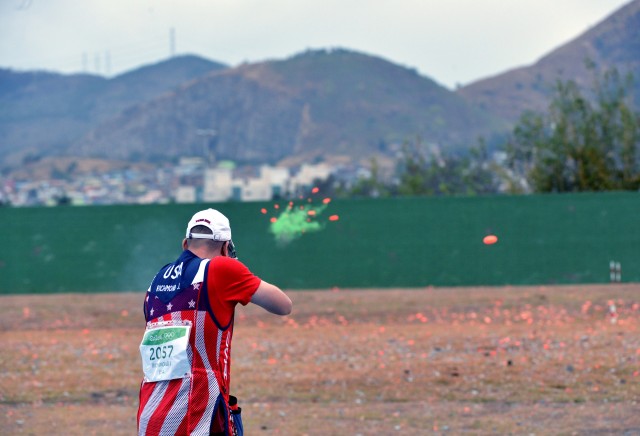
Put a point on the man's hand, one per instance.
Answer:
(271, 298)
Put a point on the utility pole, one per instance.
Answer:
(172, 42)
(96, 62)
(107, 62)
(210, 141)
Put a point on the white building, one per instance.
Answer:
(277, 177)
(185, 194)
(189, 165)
(254, 190)
(153, 196)
(308, 174)
(218, 184)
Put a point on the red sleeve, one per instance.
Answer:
(229, 282)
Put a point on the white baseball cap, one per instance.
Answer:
(212, 219)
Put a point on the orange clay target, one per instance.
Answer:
(490, 239)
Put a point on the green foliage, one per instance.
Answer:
(372, 186)
(583, 143)
(448, 174)
(430, 173)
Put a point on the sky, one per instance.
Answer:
(454, 42)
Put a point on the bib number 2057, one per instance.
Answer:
(164, 353)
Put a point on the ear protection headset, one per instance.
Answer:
(231, 250)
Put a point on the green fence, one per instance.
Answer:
(405, 242)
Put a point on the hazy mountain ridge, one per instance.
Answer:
(311, 105)
(614, 42)
(42, 113)
(315, 103)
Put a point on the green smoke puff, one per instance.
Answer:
(292, 224)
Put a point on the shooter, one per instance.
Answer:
(186, 348)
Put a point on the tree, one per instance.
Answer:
(371, 186)
(582, 143)
(472, 173)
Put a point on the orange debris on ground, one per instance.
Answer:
(377, 361)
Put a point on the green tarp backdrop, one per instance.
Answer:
(403, 242)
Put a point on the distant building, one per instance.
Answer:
(189, 165)
(153, 196)
(218, 184)
(307, 174)
(254, 190)
(185, 194)
(188, 182)
(278, 178)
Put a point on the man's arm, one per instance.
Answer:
(271, 298)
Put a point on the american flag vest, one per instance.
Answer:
(197, 404)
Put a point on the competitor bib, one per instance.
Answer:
(164, 353)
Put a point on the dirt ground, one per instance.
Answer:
(511, 360)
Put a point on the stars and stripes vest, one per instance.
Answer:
(198, 404)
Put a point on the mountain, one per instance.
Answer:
(149, 82)
(614, 42)
(318, 103)
(42, 113)
(310, 106)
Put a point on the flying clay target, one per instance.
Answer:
(490, 239)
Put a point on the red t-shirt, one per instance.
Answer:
(229, 282)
